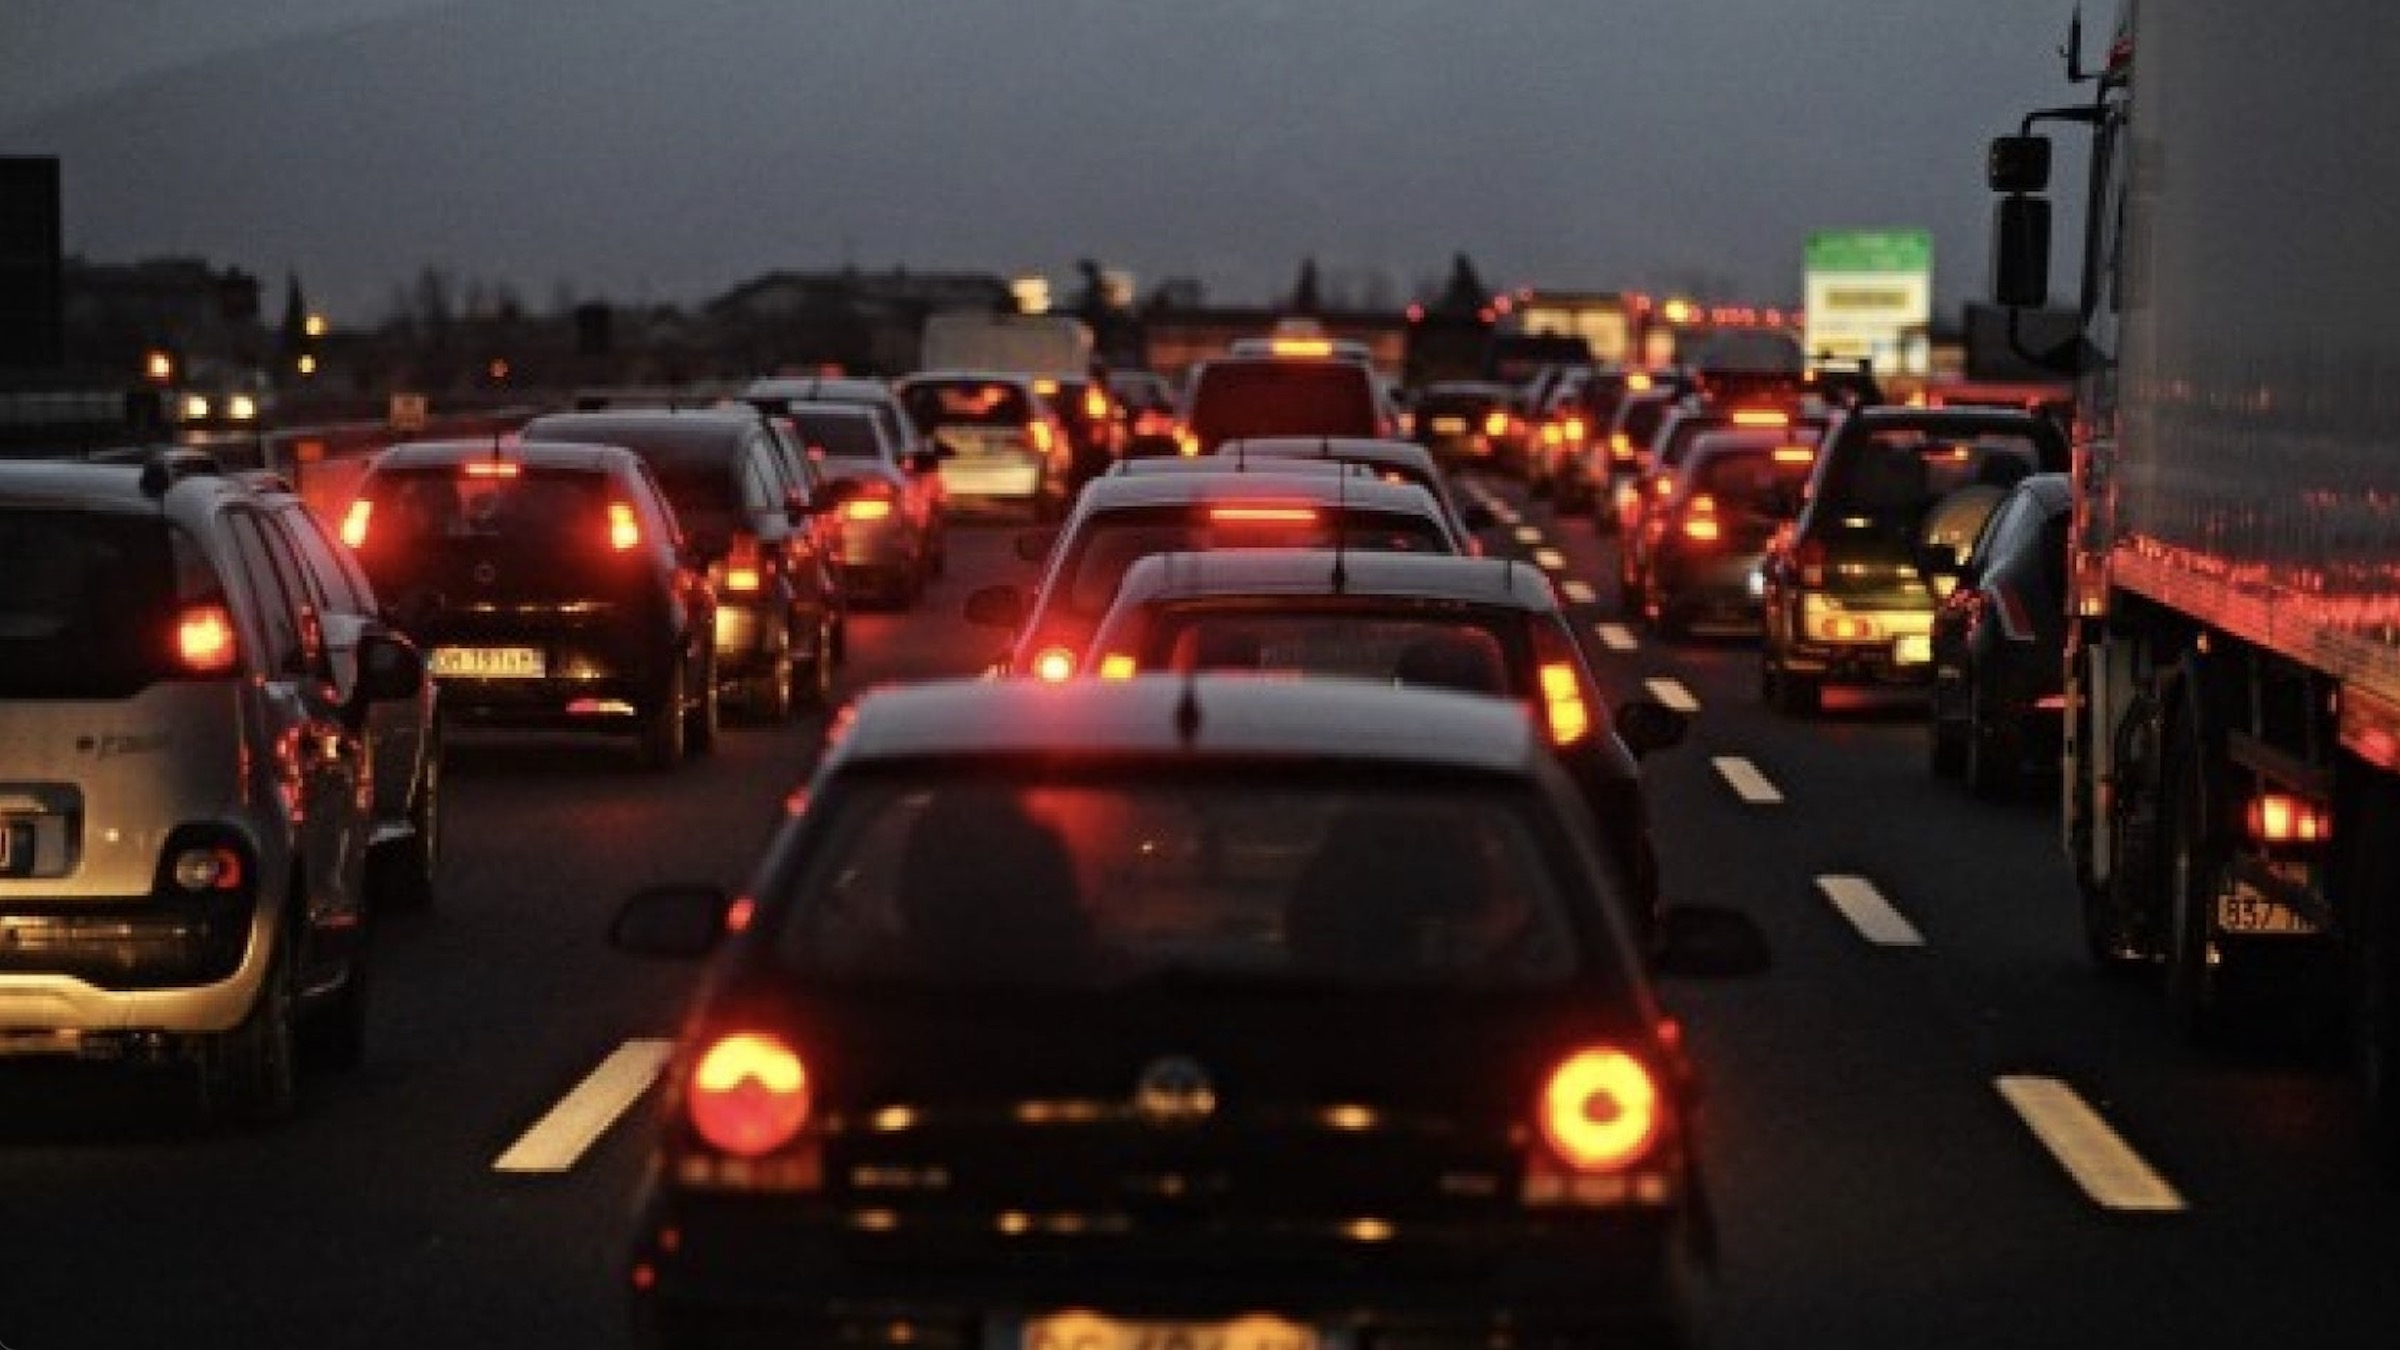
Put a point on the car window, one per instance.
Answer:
(1750, 480)
(974, 880)
(1109, 546)
(840, 435)
(975, 403)
(275, 581)
(1466, 655)
(89, 601)
(334, 579)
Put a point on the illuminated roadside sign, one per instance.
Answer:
(1870, 296)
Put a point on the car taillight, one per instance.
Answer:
(490, 468)
(1053, 664)
(207, 867)
(1662, 484)
(2284, 818)
(1809, 558)
(2010, 611)
(1116, 666)
(1187, 443)
(743, 572)
(1043, 442)
(624, 528)
(1095, 405)
(1495, 424)
(1761, 417)
(1795, 454)
(1601, 1110)
(748, 1094)
(1574, 428)
(204, 639)
(1569, 717)
(354, 522)
(866, 508)
(1263, 515)
(1620, 447)
(1700, 520)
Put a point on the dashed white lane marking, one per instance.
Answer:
(1550, 560)
(1869, 913)
(1529, 534)
(1673, 694)
(1578, 592)
(558, 1139)
(1616, 636)
(1746, 781)
(2104, 1165)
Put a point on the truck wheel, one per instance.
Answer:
(2194, 871)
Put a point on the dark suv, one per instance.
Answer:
(547, 584)
(1844, 597)
(750, 508)
(183, 801)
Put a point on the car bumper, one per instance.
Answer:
(1861, 641)
(99, 979)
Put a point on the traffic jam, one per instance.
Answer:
(1309, 847)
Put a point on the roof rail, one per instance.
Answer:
(166, 467)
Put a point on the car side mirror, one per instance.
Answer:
(389, 669)
(1645, 725)
(1710, 942)
(683, 922)
(996, 607)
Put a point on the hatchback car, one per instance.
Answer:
(1641, 519)
(1472, 424)
(1698, 552)
(1120, 520)
(1393, 461)
(890, 538)
(2000, 640)
(1844, 597)
(185, 804)
(1476, 625)
(1095, 434)
(1311, 394)
(748, 503)
(1176, 1012)
(548, 586)
(1008, 450)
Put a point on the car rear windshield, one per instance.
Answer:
(967, 403)
(1283, 398)
(91, 603)
(1748, 480)
(839, 435)
(969, 879)
(1461, 651)
(1892, 477)
(546, 530)
(1113, 543)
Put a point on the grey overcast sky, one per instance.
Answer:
(670, 149)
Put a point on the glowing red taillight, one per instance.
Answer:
(1761, 417)
(1620, 447)
(1053, 664)
(748, 1094)
(1570, 718)
(1043, 442)
(1263, 515)
(2283, 818)
(1495, 424)
(1095, 405)
(624, 528)
(743, 572)
(354, 522)
(1601, 1110)
(491, 468)
(1116, 666)
(867, 508)
(204, 639)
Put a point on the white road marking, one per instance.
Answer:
(1747, 782)
(2104, 1165)
(559, 1139)
(1529, 534)
(1869, 913)
(1673, 694)
(1617, 637)
(1578, 592)
(1550, 560)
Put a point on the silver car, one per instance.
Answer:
(183, 775)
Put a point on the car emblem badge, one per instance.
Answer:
(1174, 1090)
(486, 574)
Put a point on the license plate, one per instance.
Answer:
(1913, 649)
(1091, 1331)
(488, 663)
(2254, 915)
(1449, 426)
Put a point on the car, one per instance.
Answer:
(747, 500)
(1479, 625)
(1010, 454)
(1394, 461)
(404, 735)
(1472, 424)
(890, 531)
(1095, 434)
(187, 797)
(1631, 429)
(1844, 598)
(1794, 420)
(918, 454)
(1147, 404)
(1176, 1011)
(1120, 519)
(1292, 392)
(1698, 552)
(548, 586)
(2000, 640)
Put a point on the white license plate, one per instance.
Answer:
(488, 663)
(2253, 915)
(1913, 649)
(1091, 1331)
(1449, 426)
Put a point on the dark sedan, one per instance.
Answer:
(1999, 642)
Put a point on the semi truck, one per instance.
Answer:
(2231, 773)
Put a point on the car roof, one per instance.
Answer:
(1022, 381)
(1205, 464)
(1361, 449)
(1357, 491)
(685, 426)
(1197, 719)
(1363, 573)
(117, 485)
(586, 455)
(839, 388)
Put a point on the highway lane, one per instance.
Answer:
(1873, 1185)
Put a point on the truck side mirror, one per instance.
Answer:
(2021, 252)
(2018, 166)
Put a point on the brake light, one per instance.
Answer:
(1575, 429)
(1095, 404)
(1187, 443)
(1662, 484)
(2283, 818)
(1553, 434)
(1637, 382)
(742, 569)
(1700, 520)
(1761, 417)
(1620, 446)
(1053, 664)
(204, 639)
(1043, 442)
(749, 1094)
(208, 867)
(491, 468)
(2011, 612)
(1301, 347)
(867, 508)
(624, 527)
(354, 522)
(1495, 424)
(1601, 1110)
(1116, 666)
(1795, 454)
(1562, 702)
(1263, 515)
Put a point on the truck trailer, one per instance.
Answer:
(2231, 772)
